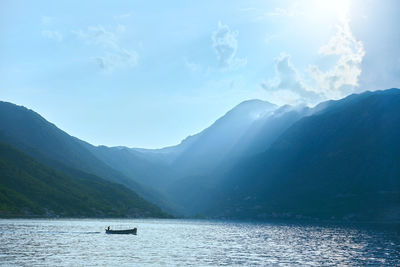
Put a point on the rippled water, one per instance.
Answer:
(187, 242)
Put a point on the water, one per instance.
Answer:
(199, 243)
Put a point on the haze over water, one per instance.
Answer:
(189, 242)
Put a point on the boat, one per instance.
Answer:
(121, 232)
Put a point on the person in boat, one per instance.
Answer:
(108, 228)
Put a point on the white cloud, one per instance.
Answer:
(45, 20)
(117, 59)
(52, 35)
(291, 11)
(193, 67)
(283, 12)
(98, 35)
(338, 81)
(269, 38)
(114, 55)
(343, 76)
(247, 9)
(287, 79)
(122, 16)
(284, 97)
(225, 45)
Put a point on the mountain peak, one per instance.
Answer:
(253, 103)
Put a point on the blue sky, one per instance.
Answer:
(150, 73)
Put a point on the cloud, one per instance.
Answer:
(52, 35)
(283, 12)
(287, 79)
(225, 45)
(98, 35)
(343, 76)
(122, 16)
(338, 81)
(117, 59)
(269, 38)
(292, 11)
(193, 67)
(45, 20)
(247, 9)
(114, 55)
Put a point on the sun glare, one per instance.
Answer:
(338, 8)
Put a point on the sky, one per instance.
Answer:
(150, 73)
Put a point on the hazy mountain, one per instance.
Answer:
(134, 164)
(341, 162)
(181, 172)
(185, 171)
(264, 131)
(244, 131)
(29, 188)
(153, 175)
(167, 155)
(213, 144)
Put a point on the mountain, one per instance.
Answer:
(133, 164)
(27, 131)
(152, 175)
(31, 133)
(213, 144)
(195, 161)
(183, 173)
(245, 130)
(180, 173)
(29, 188)
(340, 162)
(264, 131)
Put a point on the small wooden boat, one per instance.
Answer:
(121, 232)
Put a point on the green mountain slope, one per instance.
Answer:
(29, 132)
(29, 188)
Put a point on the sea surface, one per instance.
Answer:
(83, 242)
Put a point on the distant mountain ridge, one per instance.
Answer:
(29, 132)
(214, 143)
(170, 168)
(343, 162)
(258, 161)
(29, 188)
